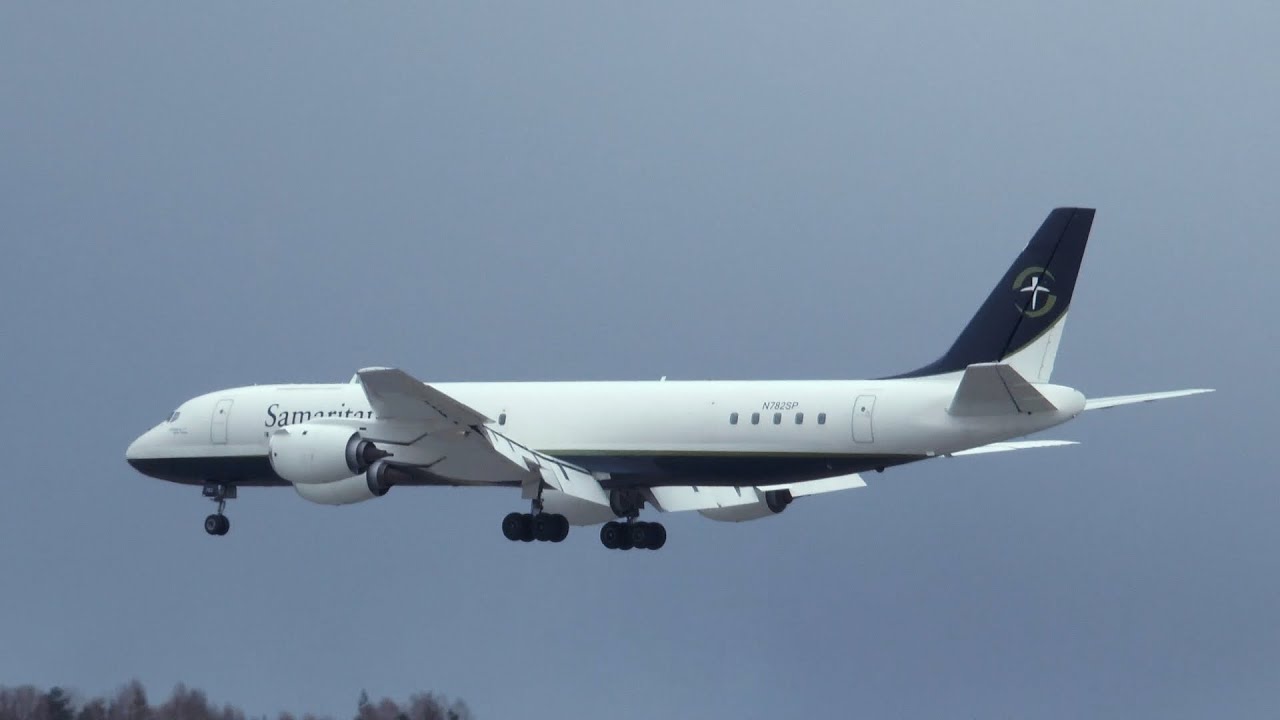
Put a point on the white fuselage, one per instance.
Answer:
(708, 432)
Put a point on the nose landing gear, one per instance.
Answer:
(217, 523)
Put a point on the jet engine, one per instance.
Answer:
(375, 482)
(771, 502)
(308, 454)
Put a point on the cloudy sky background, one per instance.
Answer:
(195, 197)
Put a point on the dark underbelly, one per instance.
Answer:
(656, 469)
(239, 470)
(625, 470)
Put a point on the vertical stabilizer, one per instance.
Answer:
(1022, 320)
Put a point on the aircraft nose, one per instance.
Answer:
(142, 455)
(138, 450)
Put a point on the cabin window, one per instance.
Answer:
(822, 418)
(777, 418)
(799, 418)
(733, 418)
(502, 419)
(755, 418)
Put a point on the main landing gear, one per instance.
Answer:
(217, 523)
(535, 525)
(632, 533)
(626, 535)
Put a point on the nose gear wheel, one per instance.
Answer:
(217, 524)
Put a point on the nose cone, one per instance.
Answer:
(134, 451)
(141, 454)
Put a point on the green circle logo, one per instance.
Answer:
(1034, 298)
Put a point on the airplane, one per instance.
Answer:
(598, 453)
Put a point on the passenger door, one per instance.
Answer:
(221, 414)
(863, 411)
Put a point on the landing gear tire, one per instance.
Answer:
(562, 529)
(625, 536)
(543, 527)
(658, 536)
(611, 535)
(640, 535)
(514, 526)
(217, 524)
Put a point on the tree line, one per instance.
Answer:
(130, 702)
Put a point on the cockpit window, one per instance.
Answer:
(174, 416)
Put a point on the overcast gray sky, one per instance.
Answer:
(201, 196)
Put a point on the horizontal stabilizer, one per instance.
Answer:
(1010, 446)
(1117, 400)
(995, 389)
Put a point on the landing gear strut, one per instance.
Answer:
(535, 525)
(632, 533)
(217, 523)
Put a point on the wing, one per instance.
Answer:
(441, 441)
(748, 503)
(1118, 400)
(1010, 446)
(397, 395)
(738, 504)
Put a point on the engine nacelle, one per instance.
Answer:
(375, 482)
(772, 502)
(310, 454)
(343, 492)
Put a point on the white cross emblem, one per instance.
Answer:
(1035, 288)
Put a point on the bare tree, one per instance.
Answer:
(20, 703)
(95, 709)
(130, 702)
(185, 704)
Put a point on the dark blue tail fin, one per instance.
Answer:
(1029, 300)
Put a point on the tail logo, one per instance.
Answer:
(1031, 285)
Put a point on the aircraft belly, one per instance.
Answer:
(652, 470)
